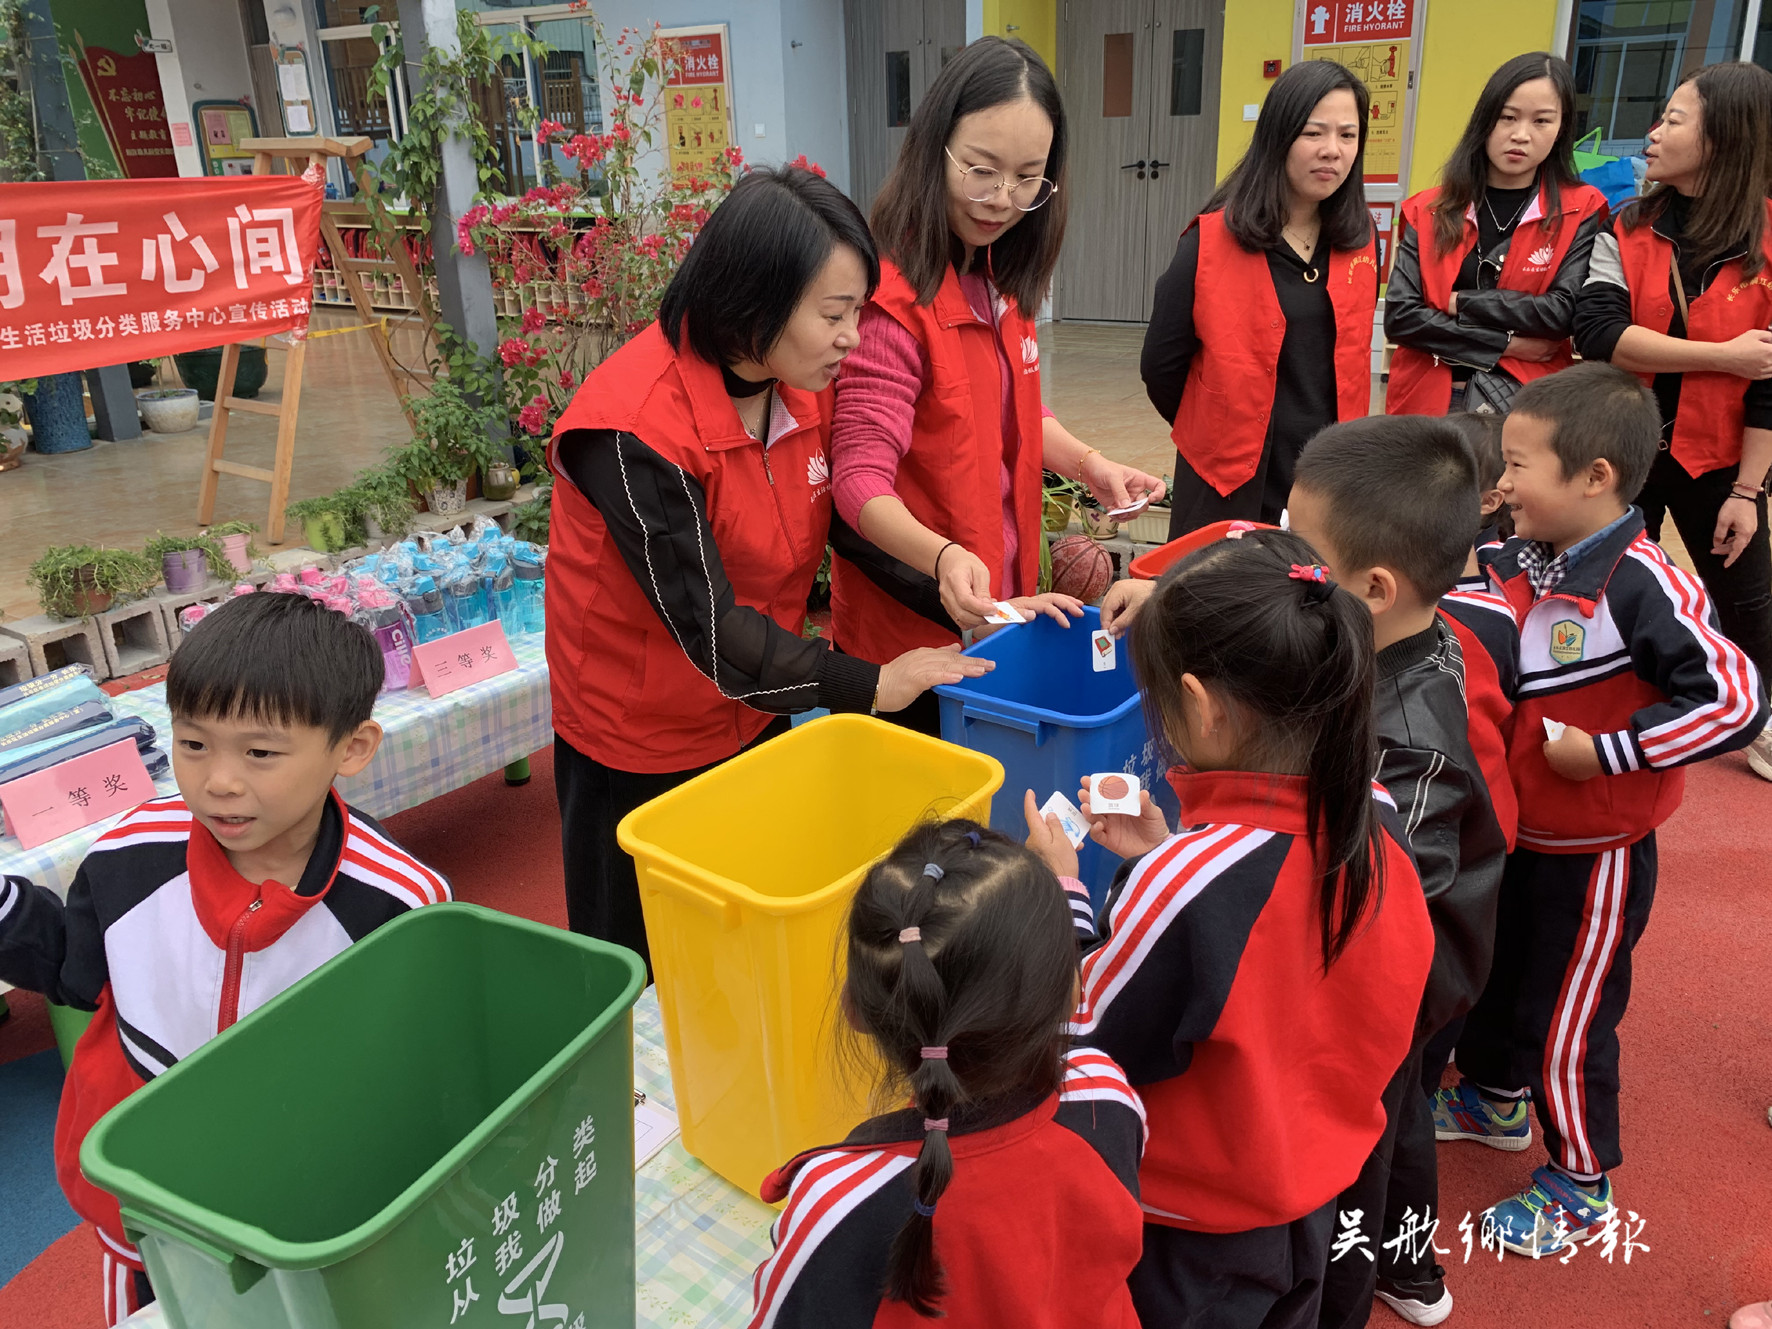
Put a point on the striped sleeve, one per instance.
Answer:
(1715, 699)
(372, 856)
(832, 1241)
(1175, 938)
(1076, 894)
(1097, 1103)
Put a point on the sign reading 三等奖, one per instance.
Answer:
(100, 272)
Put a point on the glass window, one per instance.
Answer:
(1187, 70)
(1116, 75)
(898, 89)
(1629, 56)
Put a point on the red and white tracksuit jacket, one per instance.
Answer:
(1626, 648)
(168, 945)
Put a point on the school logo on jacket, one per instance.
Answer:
(818, 473)
(1030, 350)
(1567, 639)
(1540, 258)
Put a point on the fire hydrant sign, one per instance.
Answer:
(99, 272)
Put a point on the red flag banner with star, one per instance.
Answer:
(99, 272)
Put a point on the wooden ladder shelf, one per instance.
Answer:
(298, 154)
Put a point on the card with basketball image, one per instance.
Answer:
(1102, 653)
(1114, 792)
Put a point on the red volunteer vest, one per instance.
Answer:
(949, 479)
(1221, 427)
(1707, 428)
(1420, 384)
(624, 692)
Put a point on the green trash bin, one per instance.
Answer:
(435, 1128)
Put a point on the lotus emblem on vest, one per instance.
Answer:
(1030, 350)
(818, 470)
(1541, 257)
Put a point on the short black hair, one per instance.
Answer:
(751, 264)
(277, 657)
(1399, 492)
(1482, 431)
(1596, 410)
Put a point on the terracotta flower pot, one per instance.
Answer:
(88, 600)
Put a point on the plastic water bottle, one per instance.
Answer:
(466, 601)
(396, 648)
(528, 587)
(501, 594)
(429, 620)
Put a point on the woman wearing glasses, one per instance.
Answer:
(939, 436)
(1261, 329)
(1482, 295)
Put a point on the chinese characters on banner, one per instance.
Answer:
(97, 272)
(126, 91)
(698, 98)
(1370, 37)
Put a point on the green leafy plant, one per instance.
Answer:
(18, 124)
(12, 403)
(385, 497)
(65, 576)
(209, 546)
(529, 521)
(237, 527)
(331, 521)
(456, 433)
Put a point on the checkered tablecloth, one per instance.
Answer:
(429, 746)
(697, 1238)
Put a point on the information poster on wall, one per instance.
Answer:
(698, 96)
(1372, 38)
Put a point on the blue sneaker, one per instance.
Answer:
(1551, 1215)
(1464, 1114)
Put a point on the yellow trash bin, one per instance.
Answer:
(745, 875)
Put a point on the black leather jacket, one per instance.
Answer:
(1478, 334)
(1427, 765)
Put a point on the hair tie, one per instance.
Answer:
(933, 871)
(923, 1210)
(935, 1054)
(973, 836)
(935, 1123)
(910, 934)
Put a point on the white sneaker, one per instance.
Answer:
(1759, 754)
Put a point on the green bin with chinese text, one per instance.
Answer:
(434, 1128)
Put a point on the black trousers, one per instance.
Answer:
(1742, 594)
(1268, 1278)
(1353, 1272)
(1548, 1019)
(602, 892)
(1195, 503)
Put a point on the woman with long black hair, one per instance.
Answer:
(939, 436)
(1679, 291)
(1489, 262)
(1261, 331)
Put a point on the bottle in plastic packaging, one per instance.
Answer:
(528, 588)
(466, 600)
(396, 648)
(501, 594)
(429, 619)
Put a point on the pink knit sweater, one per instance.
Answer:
(877, 400)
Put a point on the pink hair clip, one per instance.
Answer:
(1309, 572)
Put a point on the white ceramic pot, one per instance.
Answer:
(168, 410)
(447, 500)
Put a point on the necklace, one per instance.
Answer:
(1489, 207)
(762, 416)
(1305, 249)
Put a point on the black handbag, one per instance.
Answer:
(1490, 392)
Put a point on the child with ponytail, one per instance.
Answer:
(1006, 1192)
(1259, 970)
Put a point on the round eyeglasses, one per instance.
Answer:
(981, 183)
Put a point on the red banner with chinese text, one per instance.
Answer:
(99, 272)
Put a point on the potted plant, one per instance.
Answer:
(386, 500)
(169, 410)
(12, 422)
(185, 560)
(78, 581)
(529, 521)
(330, 522)
(57, 407)
(455, 437)
(1059, 502)
(202, 370)
(237, 549)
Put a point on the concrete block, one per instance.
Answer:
(55, 642)
(170, 602)
(135, 638)
(15, 662)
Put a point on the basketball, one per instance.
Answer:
(1081, 568)
(1112, 786)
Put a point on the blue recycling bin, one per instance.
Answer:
(1052, 720)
